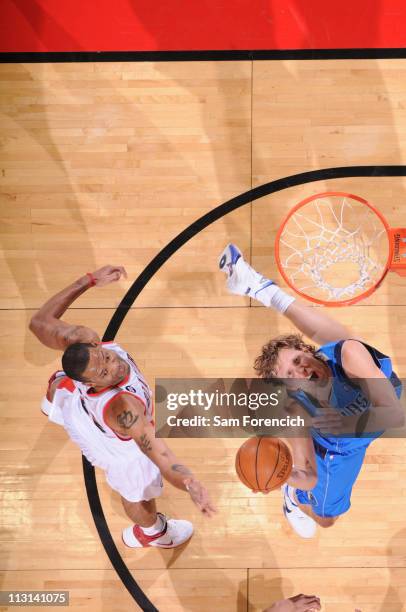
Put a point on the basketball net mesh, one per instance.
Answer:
(333, 248)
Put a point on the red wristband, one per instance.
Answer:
(91, 279)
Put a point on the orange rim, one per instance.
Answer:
(350, 301)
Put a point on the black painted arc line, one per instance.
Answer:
(224, 209)
(215, 55)
(108, 543)
(136, 288)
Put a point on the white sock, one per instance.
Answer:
(155, 528)
(274, 297)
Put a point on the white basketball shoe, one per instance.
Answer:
(242, 279)
(174, 533)
(301, 523)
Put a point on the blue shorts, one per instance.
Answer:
(337, 473)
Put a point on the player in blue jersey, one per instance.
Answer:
(343, 386)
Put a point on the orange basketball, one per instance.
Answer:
(263, 464)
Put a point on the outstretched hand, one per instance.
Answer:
(108, 274)
(299, 603)
(328, 421)
(200, 496)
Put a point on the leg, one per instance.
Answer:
(323, 521)
(331, 497)
(142, 513)
(141, 478)
(152, 528)
(242, 279)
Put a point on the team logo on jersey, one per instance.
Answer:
(131, 389)
(312, 500)
(359, 404)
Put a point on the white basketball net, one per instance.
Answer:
(333, 248)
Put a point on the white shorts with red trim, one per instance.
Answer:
(128, 470)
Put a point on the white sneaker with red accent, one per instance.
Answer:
(174, 533)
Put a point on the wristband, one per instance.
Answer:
(92, 279)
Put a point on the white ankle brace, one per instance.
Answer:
(274, 297)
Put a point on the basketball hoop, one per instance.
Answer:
(335, 248)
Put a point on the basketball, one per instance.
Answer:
(263, 464)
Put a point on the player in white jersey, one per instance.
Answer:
(105, 404)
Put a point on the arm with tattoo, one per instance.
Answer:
(125, 415)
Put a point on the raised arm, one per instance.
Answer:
(316, 324)
(46, 324)
(125, 415)
(304, 471)
(386, 409)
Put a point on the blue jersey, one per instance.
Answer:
(346, 396)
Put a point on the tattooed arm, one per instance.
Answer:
(125, 415)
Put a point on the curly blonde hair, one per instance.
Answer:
(265, 363)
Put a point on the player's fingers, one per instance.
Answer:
(313, 603)
(116, 272)
(329, 431)
(325, 426)
(329, 415)
(312, 600)
(327, 421)
(208, 511)
(306, 599)
(210, 506)
(328, 426)
(123, 271)
(325, 405)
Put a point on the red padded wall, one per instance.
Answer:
(144, 25)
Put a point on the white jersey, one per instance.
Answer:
(81, 412)
(96, 403)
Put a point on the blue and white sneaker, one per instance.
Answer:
(304, 526)
(229, 258)
(242, 279)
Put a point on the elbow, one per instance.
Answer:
(33, 324)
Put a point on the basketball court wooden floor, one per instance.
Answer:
(107, 163)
